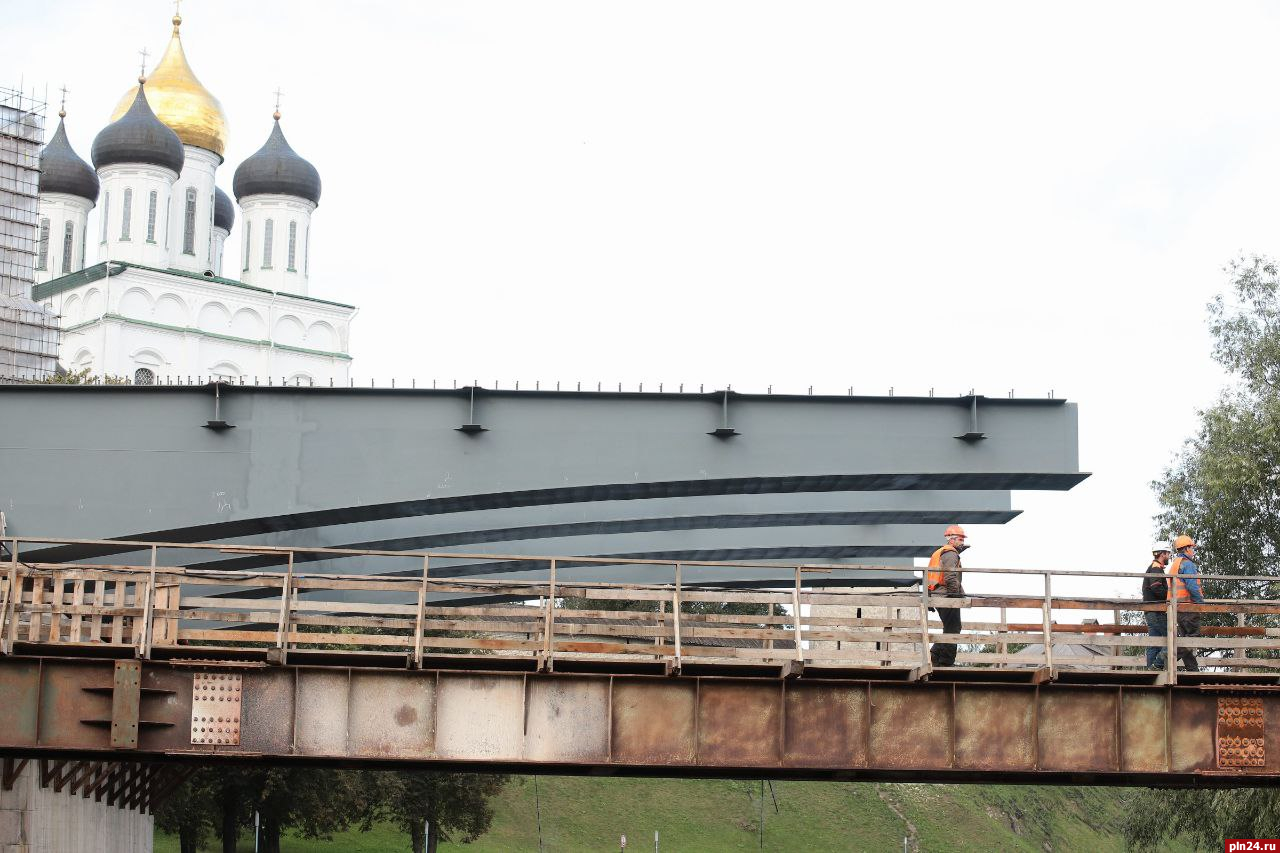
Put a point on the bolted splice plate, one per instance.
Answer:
(215, 708)
(1241, 732)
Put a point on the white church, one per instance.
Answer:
(162, 301)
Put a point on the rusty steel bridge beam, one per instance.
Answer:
(1105, 734)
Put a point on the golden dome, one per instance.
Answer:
(178, 100)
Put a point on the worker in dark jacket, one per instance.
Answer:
(1155, 590)
(943, 578)
(1183, 576)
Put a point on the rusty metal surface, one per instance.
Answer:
(911, 726)
(1078, 729)
(654, 721)
(391, 713)
(826, 725)
(480, 717)
(1144, 741)
(215, 708)
(641, 725)
(739, 723)
(126, 703)
(1241, 728)
(564, 720)
(995, 729)
(1193, 721)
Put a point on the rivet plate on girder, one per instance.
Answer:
(215, 708)
(1242, 738)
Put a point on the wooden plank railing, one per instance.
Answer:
(149, 606)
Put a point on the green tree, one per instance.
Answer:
(1224, 490)
(431, 807)
(189, 812)
(311, 802)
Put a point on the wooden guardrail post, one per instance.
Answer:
(549, 626)
(795, 603)
(282, 631)
(675, 617)
(1171, 637)
(926, 663)
(422, 612)
(1048, 621)
(144, 636)
(12, 594)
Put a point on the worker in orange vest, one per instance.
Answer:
(943, 578)
(1184, 585)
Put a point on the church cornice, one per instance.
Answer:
(87, 275)
(191, 330)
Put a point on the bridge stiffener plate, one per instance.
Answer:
(215, 708)
(1242, 738)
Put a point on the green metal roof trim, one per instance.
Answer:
(73, 280)
(191, 330)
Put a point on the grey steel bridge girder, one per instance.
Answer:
(1106, 734)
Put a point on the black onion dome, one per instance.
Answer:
(276, 169)
(62, 170)
(224, 214)
(138, 137)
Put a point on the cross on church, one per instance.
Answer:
(177, 7)
(276, 114)
(62, 110)
(142, 72)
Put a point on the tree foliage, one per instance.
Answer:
(191, 812)
(434, 807)
(1224, 490)
(311, 802)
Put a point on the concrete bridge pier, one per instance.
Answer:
(40, 812)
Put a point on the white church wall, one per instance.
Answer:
(180, 326)
(220, 236)
(198, 175)
(126, 198)
(57, 210)
(284, 267)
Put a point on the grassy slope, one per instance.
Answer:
(693, 815)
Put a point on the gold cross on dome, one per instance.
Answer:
(177, 7)
(142, 72)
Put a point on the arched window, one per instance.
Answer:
(106, 214)
(248, 235)
(189, 224)
(68, 235)
(267, 234)
(151, 217)
(144, 376)
(127, 213)
(42, 259)
(293, 246)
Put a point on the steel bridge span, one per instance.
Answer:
(627, 724)
(129, 664)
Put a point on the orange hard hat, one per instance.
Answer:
(955, 530)
(1183, 541)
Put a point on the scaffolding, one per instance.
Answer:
(28, 330)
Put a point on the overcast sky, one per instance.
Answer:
(911, 195)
